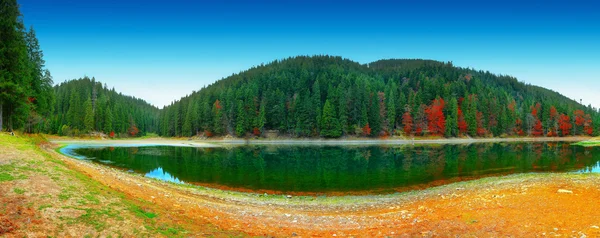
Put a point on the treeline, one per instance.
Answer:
(84, 105)
(26, 96)
(326, 96)
(29, 102)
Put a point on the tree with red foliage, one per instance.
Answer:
(407, 121)
(462, 124)
(518, 127)
(436, 119)
(133, 130)
(564, 124)
(366, 130)
(552, 122)
(535, 109)
(579, 117)
(538, 130)
(480, 129)
(587, 125)
(112, 134)
(256, 131)
(208, 133)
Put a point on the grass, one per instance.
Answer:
(42, 207)
(138, 211)
(19, 191)
(5, 177)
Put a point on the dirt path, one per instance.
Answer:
(517, 205)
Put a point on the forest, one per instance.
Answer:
(305, 96)
(332, 97)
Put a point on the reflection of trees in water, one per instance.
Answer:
(336, 168)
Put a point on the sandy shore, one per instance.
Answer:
(360, 141)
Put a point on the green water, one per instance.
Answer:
(327, 169)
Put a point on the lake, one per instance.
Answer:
(337, 170)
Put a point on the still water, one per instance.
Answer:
(339, 169)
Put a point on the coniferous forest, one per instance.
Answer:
(318, 96)
(330, 97)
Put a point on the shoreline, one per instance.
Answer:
(357, 141)
(466, 206)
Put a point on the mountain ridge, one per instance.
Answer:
(331, 96)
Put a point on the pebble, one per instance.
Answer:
(595, 227)
(564, 191)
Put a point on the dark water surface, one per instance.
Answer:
(343, 169)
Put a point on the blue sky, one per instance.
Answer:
(163, 50)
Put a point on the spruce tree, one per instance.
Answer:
(108, 121)
(89, 116)
(330, 126)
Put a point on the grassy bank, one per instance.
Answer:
(42, 195)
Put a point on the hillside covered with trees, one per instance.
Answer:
(84, 105)
(319, 96)
(331, 97)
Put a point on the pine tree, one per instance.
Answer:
(240, 127)
(108, 121)
(452, 120)
(15, 81)
(391, 109)
(89, 116)
(330, 126)
(262, 118)
(316, 103)
(374, 116)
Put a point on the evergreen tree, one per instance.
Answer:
(108, 121)
(89, 116)
(330, 126)
(240, 127)
(452, 120)
(391, 108)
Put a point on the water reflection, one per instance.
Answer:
(162, 175)
(325, 169)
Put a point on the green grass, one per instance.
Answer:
(138, 211)
(5, 177)
(19, 191)
(42, 207)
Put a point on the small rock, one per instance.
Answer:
(288, 215)
(460, 188)
(294, 234)
(289, 196)
(555, 229)
(595, 227)
(564, 191)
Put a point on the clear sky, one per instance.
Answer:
(163, 50)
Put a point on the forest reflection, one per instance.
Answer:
(344, 169)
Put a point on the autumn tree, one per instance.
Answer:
(435, 116)
(564, 124)
(407, 122)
